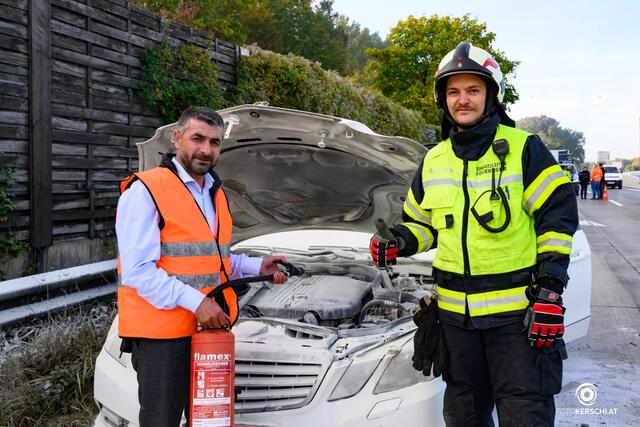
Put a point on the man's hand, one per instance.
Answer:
(210, 315)
(270, 266)
(545, 318)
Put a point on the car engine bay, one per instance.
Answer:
(339, 289)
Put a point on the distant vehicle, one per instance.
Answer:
(612, 176)
(561, 156)
(564, 160)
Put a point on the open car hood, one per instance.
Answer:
(286, 169)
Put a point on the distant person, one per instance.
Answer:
(584, 177)
(567, 171)
(602, 181)
(596, 177)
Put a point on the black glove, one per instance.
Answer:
(429, 349)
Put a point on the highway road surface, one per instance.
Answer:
(607, 360)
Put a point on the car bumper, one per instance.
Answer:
(417, 405)
(115, 392)
(613, 183)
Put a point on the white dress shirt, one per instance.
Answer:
(139, 246)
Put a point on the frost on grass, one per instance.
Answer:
(46, 368)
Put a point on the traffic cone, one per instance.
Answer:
(605, 194)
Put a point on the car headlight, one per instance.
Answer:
(354, 378)
(399, 373)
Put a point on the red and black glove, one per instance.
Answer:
(383, 251)
(545, 318)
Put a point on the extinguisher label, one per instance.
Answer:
(212, 390)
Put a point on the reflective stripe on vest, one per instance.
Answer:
(188, 251)
(483, 303)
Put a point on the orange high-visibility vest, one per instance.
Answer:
(596, 174)
(188, 250)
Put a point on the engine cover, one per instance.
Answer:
(330, 297)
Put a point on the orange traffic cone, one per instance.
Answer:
(605, 194)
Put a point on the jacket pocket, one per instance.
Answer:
(440, 202)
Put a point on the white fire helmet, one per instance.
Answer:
(467, 59)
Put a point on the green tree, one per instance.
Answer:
(358, 40)
(555, 136)
(404, 69)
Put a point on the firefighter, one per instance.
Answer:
(502, 214)
(174, 232)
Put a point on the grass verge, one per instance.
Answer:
(46, 368)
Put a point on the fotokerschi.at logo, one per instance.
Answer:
(587, 394)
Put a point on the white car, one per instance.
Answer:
(333, 347)
(612, 176)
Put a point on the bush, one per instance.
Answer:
(46, 369)
(174, 78)
(294, 82)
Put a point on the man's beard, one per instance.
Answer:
(192, 167)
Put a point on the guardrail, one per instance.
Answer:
(40, 294)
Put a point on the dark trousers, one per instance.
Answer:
(163, 370)
(498, 366)
(583, 189)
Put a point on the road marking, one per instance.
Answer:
(632, 189)
(616, 203)
(592, 223)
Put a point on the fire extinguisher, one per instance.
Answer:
(212, 394)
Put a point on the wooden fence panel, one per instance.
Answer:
(14, 115)
(73, 140)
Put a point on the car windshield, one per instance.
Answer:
(611, 169)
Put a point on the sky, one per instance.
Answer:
(579, 60)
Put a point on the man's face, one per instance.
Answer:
(198, 146)
(466, 95)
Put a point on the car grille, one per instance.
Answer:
(275, 385)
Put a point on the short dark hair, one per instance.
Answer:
(204, 114)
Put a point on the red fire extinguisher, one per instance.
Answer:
(212, 393)
(212, 378)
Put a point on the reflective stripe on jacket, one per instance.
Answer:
(451, 188)
(188, 251)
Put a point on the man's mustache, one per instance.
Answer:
(205, 158)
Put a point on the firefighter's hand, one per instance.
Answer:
(270, 266)
(544, 319)
(210, 315)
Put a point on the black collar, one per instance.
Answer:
(471, 144)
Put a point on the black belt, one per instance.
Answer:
(484, 283)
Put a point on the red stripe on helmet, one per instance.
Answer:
(490, 61)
